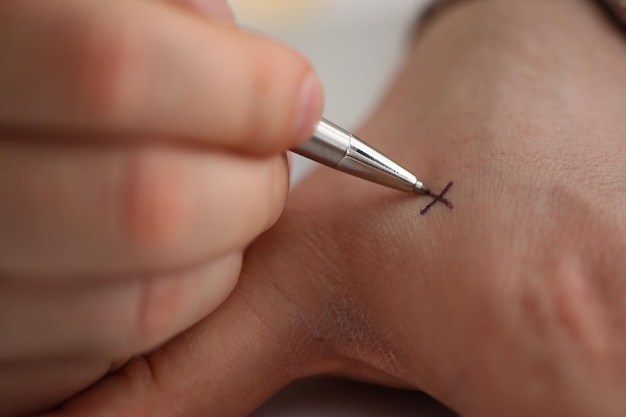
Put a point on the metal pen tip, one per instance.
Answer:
(420, 188)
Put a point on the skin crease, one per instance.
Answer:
(511, 304)
(119, 228)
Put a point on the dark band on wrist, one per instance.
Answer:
(433, 9)
(615, 9)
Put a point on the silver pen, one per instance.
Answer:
(339, 149)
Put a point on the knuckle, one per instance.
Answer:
(104, 67)
(153, 199)
(276, 83)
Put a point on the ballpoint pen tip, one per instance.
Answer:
(420, 188)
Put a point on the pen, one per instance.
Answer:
(339, 149)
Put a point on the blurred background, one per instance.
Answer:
(356, 47)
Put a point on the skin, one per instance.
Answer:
(511, 304)
(119, 228)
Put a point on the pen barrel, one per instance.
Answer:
(328, 145)
(339, 149)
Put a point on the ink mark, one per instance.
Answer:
(439, 198)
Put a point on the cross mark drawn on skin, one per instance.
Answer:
(439, 198)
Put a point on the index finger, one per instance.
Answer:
(150, 67)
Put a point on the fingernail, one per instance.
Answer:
(311, 104)
(215, 9)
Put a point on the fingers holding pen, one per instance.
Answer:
(107, 74)
(107, 252)
(111, 66)
(141, 150)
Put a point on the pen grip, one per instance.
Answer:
(328, 145)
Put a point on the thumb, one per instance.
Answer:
(227, 365)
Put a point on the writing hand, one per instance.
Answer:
(141, 150)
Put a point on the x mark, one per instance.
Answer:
(439, 198)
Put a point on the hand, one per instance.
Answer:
(141, 150)
(512, 304)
